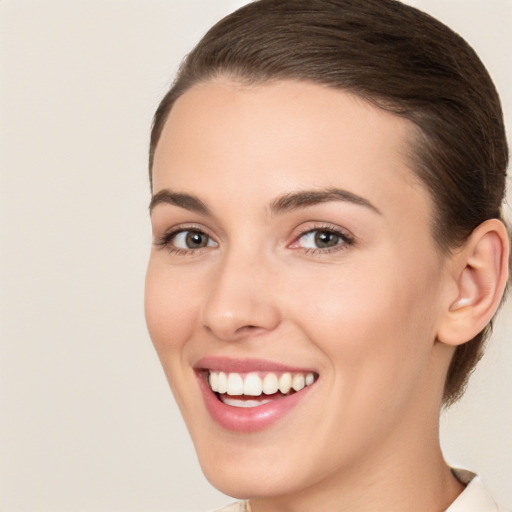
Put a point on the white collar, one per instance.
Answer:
(475, 497)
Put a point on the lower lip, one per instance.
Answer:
(251, 419)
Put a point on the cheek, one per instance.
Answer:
(169, 309)
(170, 315)
(369, 320)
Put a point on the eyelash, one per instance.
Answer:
(346, 238)
(165, 240)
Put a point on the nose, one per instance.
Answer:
(240, 301)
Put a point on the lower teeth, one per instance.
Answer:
(242, 401)
(234, 402)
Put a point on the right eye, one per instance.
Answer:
(186, 241)
(190, 239)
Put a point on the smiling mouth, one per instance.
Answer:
(254, 389)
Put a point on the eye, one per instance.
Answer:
(323, 240)
(320, 239)
(185, 241)
(189, 239)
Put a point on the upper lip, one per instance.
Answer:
(245, 365)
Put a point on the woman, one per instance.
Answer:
(328, 254)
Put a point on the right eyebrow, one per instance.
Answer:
(305, 198)
(186, 201)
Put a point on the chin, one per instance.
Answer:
(244, 480)
(245, 469)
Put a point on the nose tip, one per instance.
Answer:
(241, 321)
(240, 304)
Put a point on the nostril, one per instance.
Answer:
(249, 330)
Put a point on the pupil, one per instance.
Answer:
(325, 239)
(195, 239)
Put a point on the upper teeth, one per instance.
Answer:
(252, 384)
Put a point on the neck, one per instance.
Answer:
(405, 472)
(422, 482)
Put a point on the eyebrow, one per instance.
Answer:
(284, 203)
(305, 198)
(186, 201)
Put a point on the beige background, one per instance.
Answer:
(86, 420)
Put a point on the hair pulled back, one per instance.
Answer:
(401, 60)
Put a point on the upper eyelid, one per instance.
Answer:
(186, 226)
(168, 224)
(168, 234)
(321, 226)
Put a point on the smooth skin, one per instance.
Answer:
(353, 286)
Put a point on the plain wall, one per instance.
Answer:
(87, 422)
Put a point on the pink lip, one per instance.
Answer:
(240, 419)
(226, 364)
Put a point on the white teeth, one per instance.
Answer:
(298, 382)
(270, 384)
(285, 383)
(222, 383)
(213, 378)
(245, 403)
(251, 384)
(235, 384)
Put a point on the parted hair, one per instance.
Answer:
(401, 60)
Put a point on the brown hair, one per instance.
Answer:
(400, 59)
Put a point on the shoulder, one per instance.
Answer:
(239, 506)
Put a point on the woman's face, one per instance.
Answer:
(292, 243)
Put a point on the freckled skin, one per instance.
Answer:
(363, 315)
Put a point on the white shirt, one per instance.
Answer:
(474, 498)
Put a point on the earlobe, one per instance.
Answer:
(480, 276)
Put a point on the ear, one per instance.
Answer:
(480, 274)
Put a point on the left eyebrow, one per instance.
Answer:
(305, 198)
(185, 201)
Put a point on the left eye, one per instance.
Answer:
(191, 240)
(320, 239)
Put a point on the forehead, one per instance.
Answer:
(279, 135)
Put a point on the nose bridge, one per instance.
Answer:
(240, 300)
